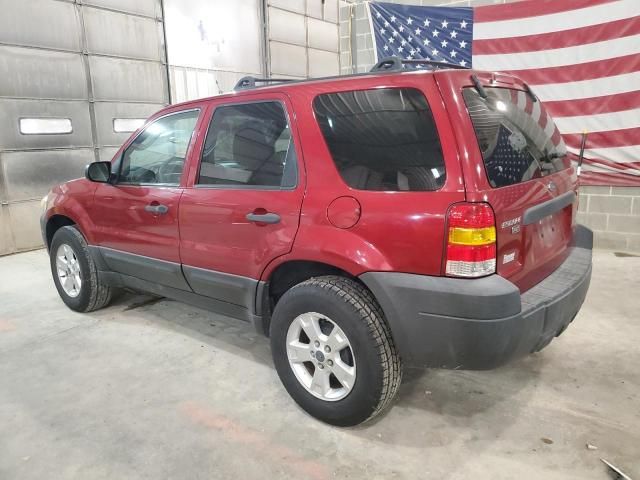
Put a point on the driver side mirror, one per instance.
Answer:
(99, 172)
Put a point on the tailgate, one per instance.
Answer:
(528, 180)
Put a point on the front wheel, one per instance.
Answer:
(333, 350)
(75, 274)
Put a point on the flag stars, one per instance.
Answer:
(382, 31)
(445, 24)
(427, 22)
(386, 48)
(463, 63)
(453, 53)
(403, 43)
(395, 33)
(386, 23)
(409, 39)
(400, 50)
(426, 41)
(391, 39)
(463, 24)
(401, 29)
(435, 33)
(409, 21)
(378, 14)
(393, 19)
(434, 52)
(463, 44)
(418, 31)
(454, 34)
(444, 43)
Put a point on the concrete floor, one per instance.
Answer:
(157, 389)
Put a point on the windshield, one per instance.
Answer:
(516, 136)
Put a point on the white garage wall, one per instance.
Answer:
(88, 61)
(212, 44)
(303, 38)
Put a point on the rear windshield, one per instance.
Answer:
(518, 139)
(382, 139)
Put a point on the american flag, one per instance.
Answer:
(581, 57)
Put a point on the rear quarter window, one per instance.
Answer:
(382, 139)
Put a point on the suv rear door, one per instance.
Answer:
(517, 162)
(242, 206)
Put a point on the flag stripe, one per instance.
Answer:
(624, 157)
(595, 105)
(613, 138)
(561, 39)
(582, 71)
(591, 52)
(515, 10)
(604, 122)
(584, 17)
(599, 87)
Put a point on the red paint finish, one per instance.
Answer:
(122, 223)
(322, 219)
(538, 249)
(344, 212)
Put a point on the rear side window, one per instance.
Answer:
(518, 139)
(382, 139)
(249, 145)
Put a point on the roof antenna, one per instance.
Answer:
(582, 145)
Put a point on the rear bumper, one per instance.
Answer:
(482, 323)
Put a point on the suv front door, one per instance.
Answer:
(242, 208)
(136, 219)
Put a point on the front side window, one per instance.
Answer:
(249, 145)
(382, 139)
(517, 144)
(157, 155)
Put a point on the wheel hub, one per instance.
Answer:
(321, 356)
(68, 270)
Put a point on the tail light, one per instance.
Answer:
(471, 240)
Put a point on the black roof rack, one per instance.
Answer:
(250, 82)
(394, 64)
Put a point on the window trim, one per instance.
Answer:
(376, 88)
(144, 129)
(248, 187)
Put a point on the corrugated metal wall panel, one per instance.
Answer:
(29, 175)
(89, 61)
(40, 23)
(118, 34)
(116, 79)
(36, 73)
(149, 8)
(11, 110)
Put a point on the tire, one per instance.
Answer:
(376, 366)
(91, 294)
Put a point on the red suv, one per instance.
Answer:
(418, 218)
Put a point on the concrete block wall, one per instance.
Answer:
(613, 213)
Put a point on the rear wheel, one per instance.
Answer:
(333, 350)
(74, 272)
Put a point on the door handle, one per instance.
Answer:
(156, 209)
(263, 217)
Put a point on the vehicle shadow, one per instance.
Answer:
(456, 407)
